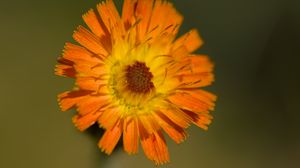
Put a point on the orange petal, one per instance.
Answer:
(84, 122)
(204, 96)
(180, 53)
(110, 139)
(190, 40)
(109, 118)
(86, 70)
(90, 41)
(202, 120)
(92, 20)
(65, 70)
(164, 18)
(177, 116)
(130, 135)
(109, 14)
(143, 12)
(198, 64)
(149, 123)
(84, 62)
(95, 23)
(177, 67)
(155, 147)
(80, 55)
(90, 83)
(176, 132)
(69, 99)
(194, 80)
(91, 104)
(201, 63)
(189, 102)
(128, 12)
(180, 61)
(64, 61)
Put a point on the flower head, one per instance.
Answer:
(135, 78)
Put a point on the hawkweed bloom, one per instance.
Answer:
(135, 78)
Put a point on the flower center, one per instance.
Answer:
(138, 78)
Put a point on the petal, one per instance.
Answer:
(65, 70)
(130, 135)
(83, 61)
(128, 12)
(155, 147)
(143, 13)
(109, 118)
(90, 83)
(84, 122)
(176, 132)
(177, 116)
(206, 97)
(188, 101)
(110, 138)
(180, 61)
(94, 23)
(90, 41)
(69, 99)
(190, 40)
(194, 80)
(202, 120)
(201, 63)
(91, 104)
(198, 64)
(177, 68)
(64, 61)
(180, 53)
(164, 18)
(80, 55)
(149, 123)
(109, 14)
(86, 70)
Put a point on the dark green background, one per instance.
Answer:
(254, 44)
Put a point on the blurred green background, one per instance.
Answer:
(255, 45)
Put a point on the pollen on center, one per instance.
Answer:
(138, 78)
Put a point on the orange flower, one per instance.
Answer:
(133, 77)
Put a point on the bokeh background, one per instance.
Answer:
(255, 45)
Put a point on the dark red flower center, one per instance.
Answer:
(139, 77)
